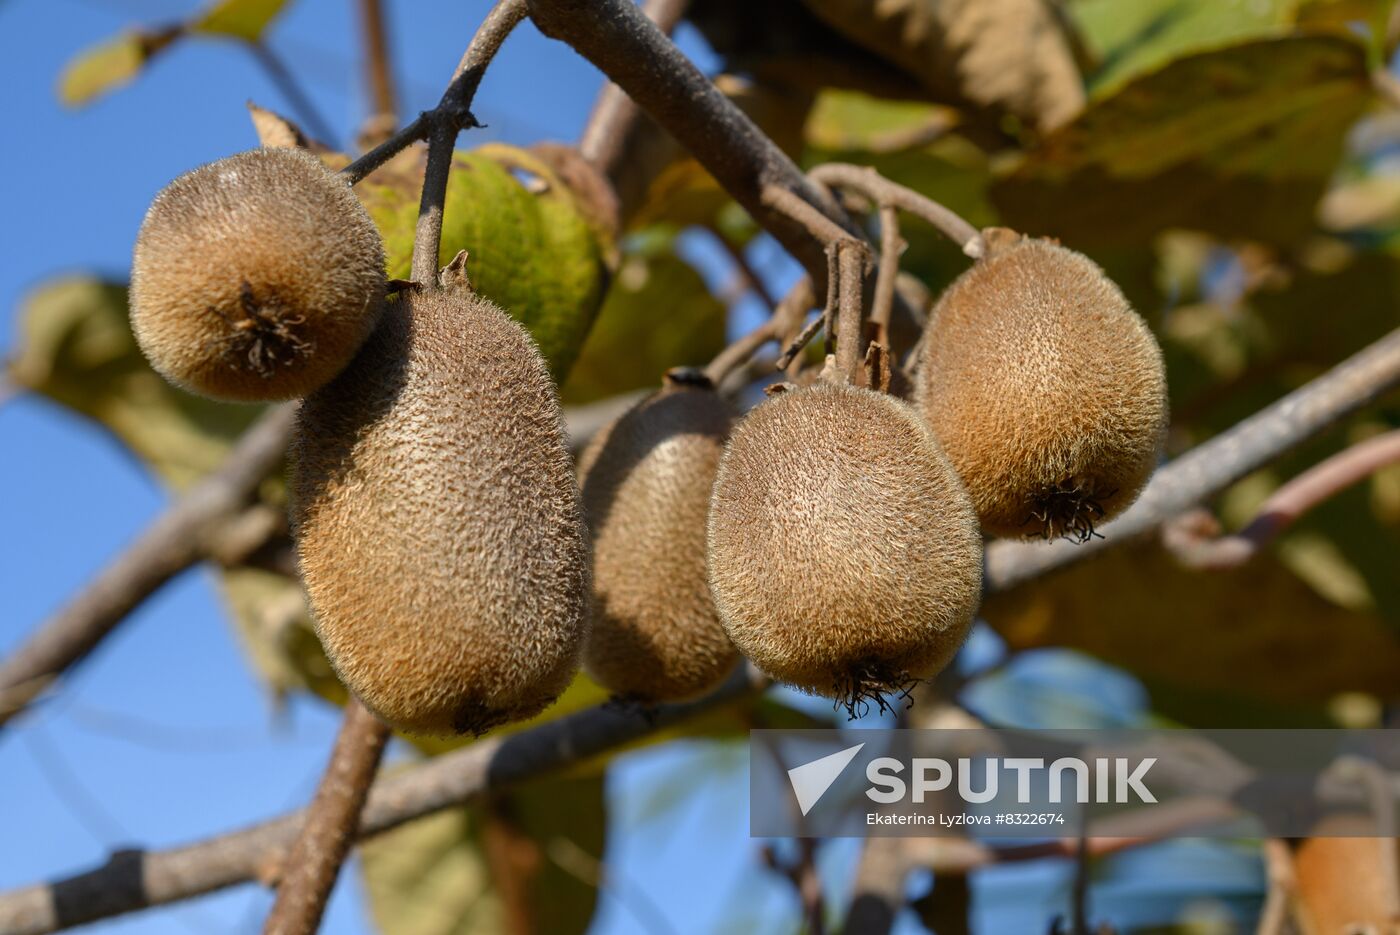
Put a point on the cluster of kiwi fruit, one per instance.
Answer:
(460, 566)
(437, 520)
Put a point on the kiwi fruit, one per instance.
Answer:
(646, 481)
(437, 520)
(844, 555)
(256, 277)
(1045, 388)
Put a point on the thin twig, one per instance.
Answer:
(815, 223)
(618, 38)
(331, 826)
(741, 263)
(892, 247)
(883, 191)
(806, 881)
(133, 880)
(1192, 537)
(379, 73)
(174, 542)
(568, 856)
(740, 351)
(1079, 895)
(784, 324)
(291, 90)
(451, 115)
(1209, 468)
(409, 134)
(851, 257)
(1278, 900)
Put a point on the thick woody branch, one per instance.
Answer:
(379, 75)
(331, 826)
(133, 880)
(618, 38)
(181, 537)
(616, 117)
(1208, 469)
(1192, 538)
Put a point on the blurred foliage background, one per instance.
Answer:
(1234, 165)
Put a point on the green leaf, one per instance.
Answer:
(530, 246)
(104, 67)
(1238, 142)
(519, 861)
(1130, 37)
(659, 314)
(241, 19)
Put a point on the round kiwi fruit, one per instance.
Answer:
(256, 277)
(437, 520)
(844, 555)
(646, 481)
(1045, 388)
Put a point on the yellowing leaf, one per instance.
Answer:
(76, 347)
(241, 19)
(105, 67)
(1011, 57)
(1237, 142)
(1256, 631)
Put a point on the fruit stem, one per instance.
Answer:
(886, 192)
(850, 258)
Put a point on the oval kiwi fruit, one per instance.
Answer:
(1045, 388)
(437, 520)
(646, 481)
(256, 277)
(844, 555)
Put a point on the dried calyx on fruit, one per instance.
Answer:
(646, 481)
(437, 520)
(844, 555)
(1045, 388)
(256, 277)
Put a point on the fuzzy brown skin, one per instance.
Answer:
(844, 555)
(256, 277)
(1046, 390)
(438, 524)
(646, 482)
